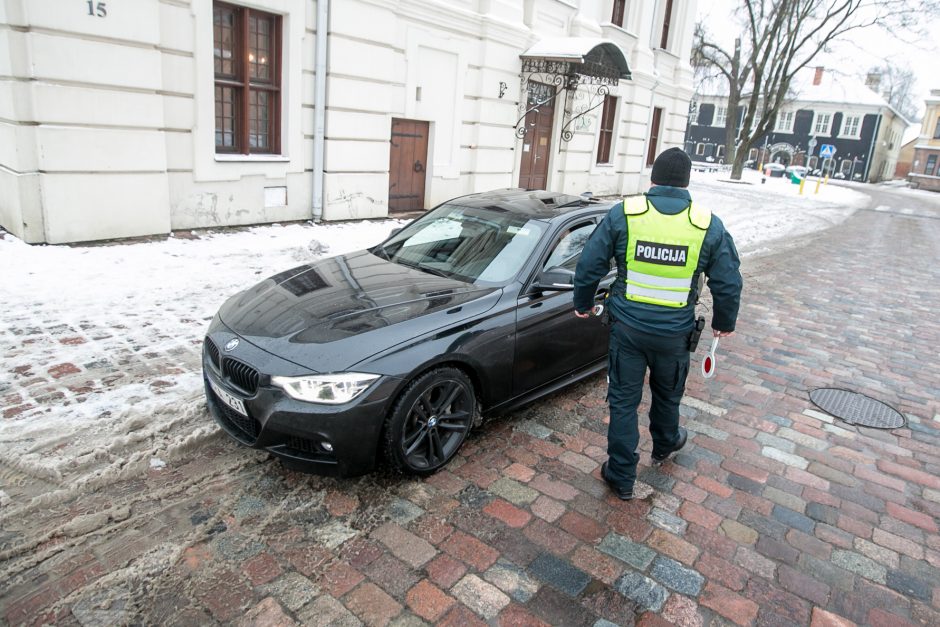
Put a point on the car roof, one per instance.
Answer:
(537, 204)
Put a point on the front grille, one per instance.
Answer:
(246, 426)
(240, 374)
(213, 353)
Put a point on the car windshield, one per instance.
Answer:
(487, 245)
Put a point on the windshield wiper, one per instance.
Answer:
(428, 269)
(441, 273)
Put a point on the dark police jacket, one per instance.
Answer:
(718, 260)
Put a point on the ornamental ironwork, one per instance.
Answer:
(593, 71)
(543, 79)
(538, 93)
(573, 113)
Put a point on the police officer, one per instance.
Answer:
(661, 242)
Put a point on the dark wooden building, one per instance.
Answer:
(832, 109)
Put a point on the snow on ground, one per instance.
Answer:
(130, 317)
(903, 187)
(138, 311)
(757, 214)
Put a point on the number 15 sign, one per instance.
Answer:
(97, 9)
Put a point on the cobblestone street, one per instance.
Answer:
(773, 514)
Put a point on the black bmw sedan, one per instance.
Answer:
(397, 351)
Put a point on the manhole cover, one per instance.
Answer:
(857, 409)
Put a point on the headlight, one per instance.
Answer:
(332, 389)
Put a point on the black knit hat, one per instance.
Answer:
(672, 167)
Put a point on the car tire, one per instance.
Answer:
(442, 398)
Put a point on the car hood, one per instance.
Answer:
(329, 315)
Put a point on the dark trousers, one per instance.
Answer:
(632, 352)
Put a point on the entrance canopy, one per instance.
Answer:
(583, 59)
(568, 62)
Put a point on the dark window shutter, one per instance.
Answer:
(654, 136)
(619, 7)
(605, 137)
(667, 18)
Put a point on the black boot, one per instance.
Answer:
(659, 458)
(622, 493)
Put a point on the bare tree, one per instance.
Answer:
(896, 84)
(707, 56)
(780, 38)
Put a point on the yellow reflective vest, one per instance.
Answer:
(662, 251)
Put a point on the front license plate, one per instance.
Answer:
(235, 403)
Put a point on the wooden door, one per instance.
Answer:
(408, 157)
(537, 143)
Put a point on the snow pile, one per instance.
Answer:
(185, 275)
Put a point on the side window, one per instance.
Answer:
(569, 245)
(931, 163)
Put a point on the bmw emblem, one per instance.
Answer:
(231, 345)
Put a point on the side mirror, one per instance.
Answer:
(394, 232)
(556, 278)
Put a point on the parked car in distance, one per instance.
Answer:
(398, 350)
(799, 170)
(751, 164)
(774, 169)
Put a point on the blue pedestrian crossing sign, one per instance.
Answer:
(827, 151)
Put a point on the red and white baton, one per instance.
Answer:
(708, 363)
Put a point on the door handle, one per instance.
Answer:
(418, 167)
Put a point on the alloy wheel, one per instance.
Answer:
(437, 423)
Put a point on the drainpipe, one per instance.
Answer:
(319, 115)
(871, 148)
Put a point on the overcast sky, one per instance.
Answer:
(853, 57)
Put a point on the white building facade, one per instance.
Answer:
(122, 119)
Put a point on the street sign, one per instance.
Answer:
(827, 151)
